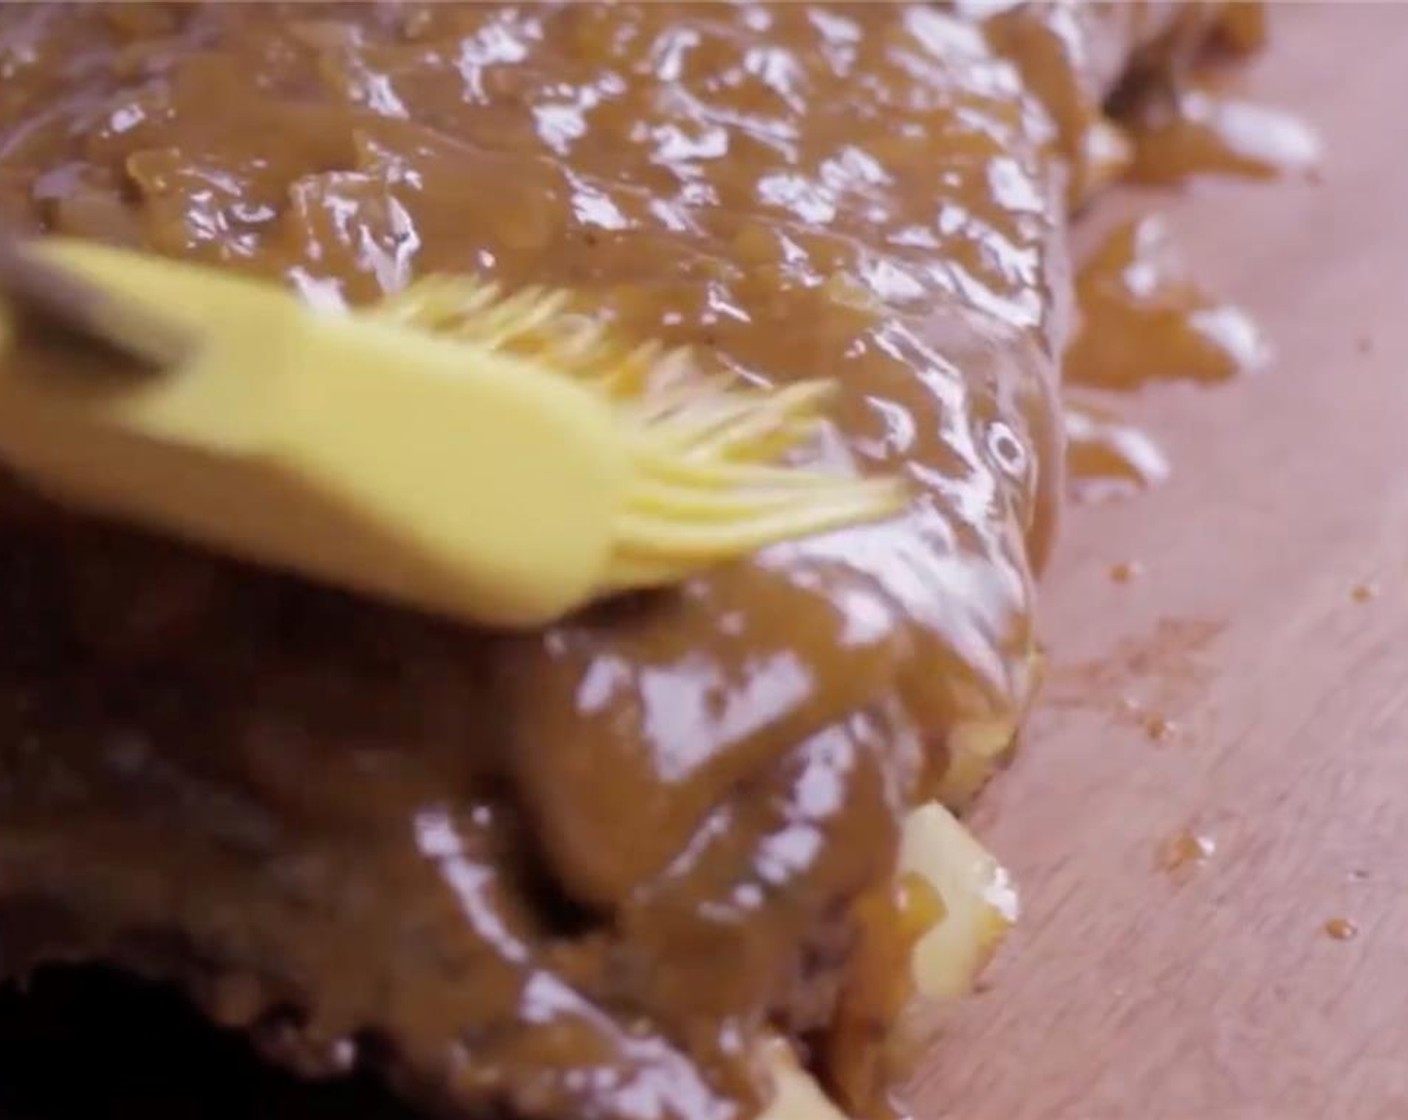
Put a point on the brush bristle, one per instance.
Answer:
(708, 485)
(535, 323)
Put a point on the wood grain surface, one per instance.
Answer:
(1270, 627)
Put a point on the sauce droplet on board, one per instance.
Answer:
(1159, 727)
(1186, 850)
(1195, 131)
(1126, 571)
(1341, 929)
(1144, 318)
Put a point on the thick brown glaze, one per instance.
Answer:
(572, 876)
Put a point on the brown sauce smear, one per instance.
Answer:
(1142, 318)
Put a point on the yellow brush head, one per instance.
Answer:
(499, 459)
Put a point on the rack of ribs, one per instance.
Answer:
(591, 873)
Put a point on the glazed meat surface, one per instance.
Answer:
(573, 875)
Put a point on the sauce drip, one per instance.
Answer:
(890, 923)
(1144, 318)
(1107, 458)
(1195, 131)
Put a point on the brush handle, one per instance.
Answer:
(51, 300)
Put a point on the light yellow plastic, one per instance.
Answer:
(435, 453)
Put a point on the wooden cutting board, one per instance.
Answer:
(1131, 992)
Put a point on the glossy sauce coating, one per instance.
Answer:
(572, 876)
